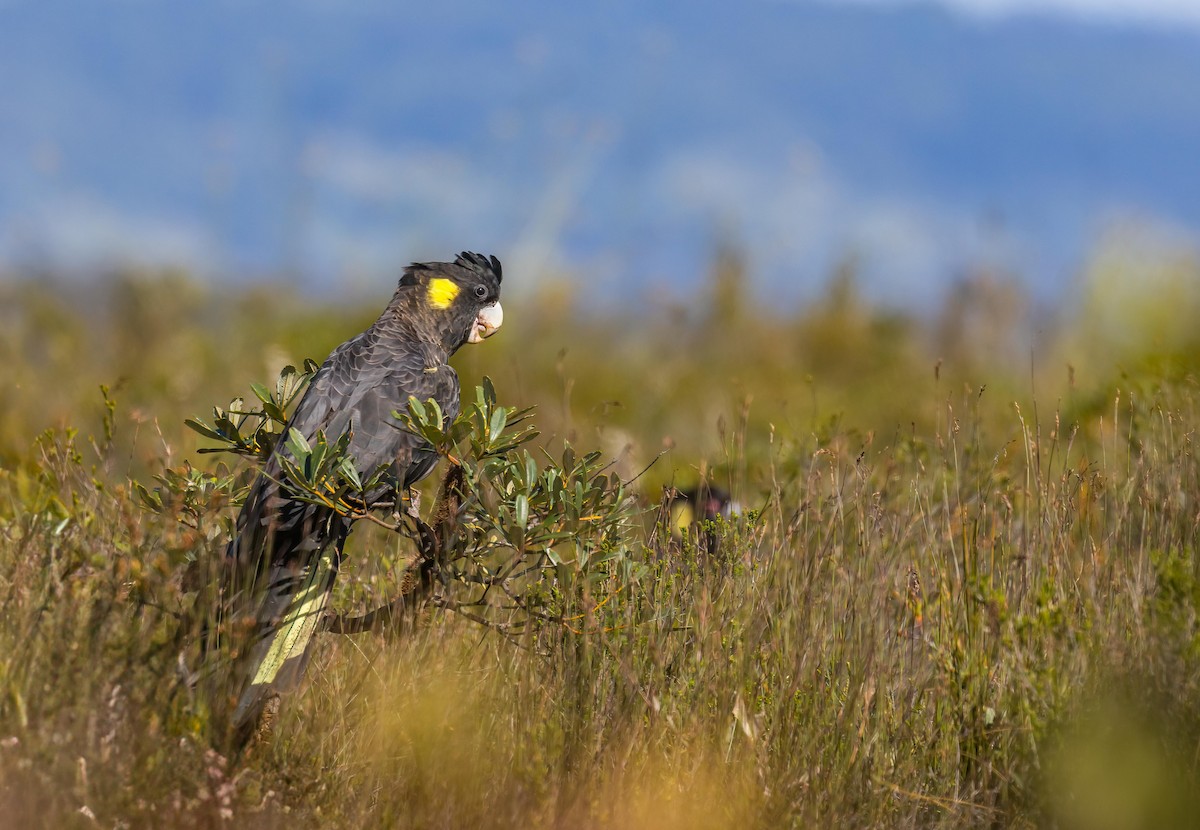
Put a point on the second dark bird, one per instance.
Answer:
(698, 509)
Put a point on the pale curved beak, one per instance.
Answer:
(489, 319)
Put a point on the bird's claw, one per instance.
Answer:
(412, 501)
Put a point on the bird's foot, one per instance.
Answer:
(412, 503)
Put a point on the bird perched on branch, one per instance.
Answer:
(285, 555)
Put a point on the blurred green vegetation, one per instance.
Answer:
(964, 589)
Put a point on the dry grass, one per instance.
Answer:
(972, 614)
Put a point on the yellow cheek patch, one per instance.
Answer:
(442, 292)
(682, 516)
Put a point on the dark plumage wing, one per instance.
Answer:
(358, 388)
(361, 384)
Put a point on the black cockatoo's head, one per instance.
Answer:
(457, 302)
(701, 508)
(695, 505)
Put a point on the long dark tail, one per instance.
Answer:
(292, 609)
(280, 572)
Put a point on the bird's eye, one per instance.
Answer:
(481, 291)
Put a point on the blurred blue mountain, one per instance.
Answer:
(620, 140)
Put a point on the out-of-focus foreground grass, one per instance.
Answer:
(963, 590)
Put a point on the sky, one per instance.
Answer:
(1163, 12)
(619, 142)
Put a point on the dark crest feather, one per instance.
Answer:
(480, 263)
(475, 262)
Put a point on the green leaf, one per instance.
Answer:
(150, 498)
(274, 412)
(297, 444)
(350, 473)
(286, 376)
(315, 460)
(459, 430)
(228, 429)
(417, 409)
(496, 429)
(522, 511)
(261, 392)
(203, 428)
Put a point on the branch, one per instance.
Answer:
(432, 542)
(393, 615)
